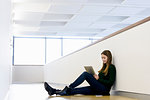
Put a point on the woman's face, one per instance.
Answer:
(104, 58)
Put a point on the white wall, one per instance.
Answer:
(131, 56)
(27, 74)
(5, 58)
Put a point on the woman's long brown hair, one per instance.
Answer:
(108, 63)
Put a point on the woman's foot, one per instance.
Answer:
(65, 92)
(50, 90)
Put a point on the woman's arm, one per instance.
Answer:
(96, 76)
(112, 77)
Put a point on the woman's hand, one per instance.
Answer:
(96, 76)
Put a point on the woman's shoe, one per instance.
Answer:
(65, 92)
(50, 90)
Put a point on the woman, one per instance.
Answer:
(98, 84)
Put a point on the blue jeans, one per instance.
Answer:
(95, 88)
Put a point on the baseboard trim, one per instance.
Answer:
(131, 95)
(27, 82)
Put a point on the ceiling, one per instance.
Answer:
(86, 18)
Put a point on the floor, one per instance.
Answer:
(37, 92)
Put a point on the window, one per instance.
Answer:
(53, 49)
(40, 51)
(71, 45)
(29, 51)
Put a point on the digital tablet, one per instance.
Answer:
(89, 69)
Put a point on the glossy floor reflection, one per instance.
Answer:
(37, 92)
(90, 98)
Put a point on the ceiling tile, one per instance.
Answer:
(65, 9)
(125, 11)
(27, 23)
(108, 32)
(31, 1)
(28, 16)
(76, 17)
(78, 24)
(33, 7)
(95, 9)
(77, 34)
(35, 33)
(137, 2)
(133, 19)
(52, 23)
(83, 30)
(83, 18)
(145, 12)
(112, 18)
(70, 30)
(57, 16)
(103, 25)
(20, 28)
(68, 1)
(120, 25)
(106, 1)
